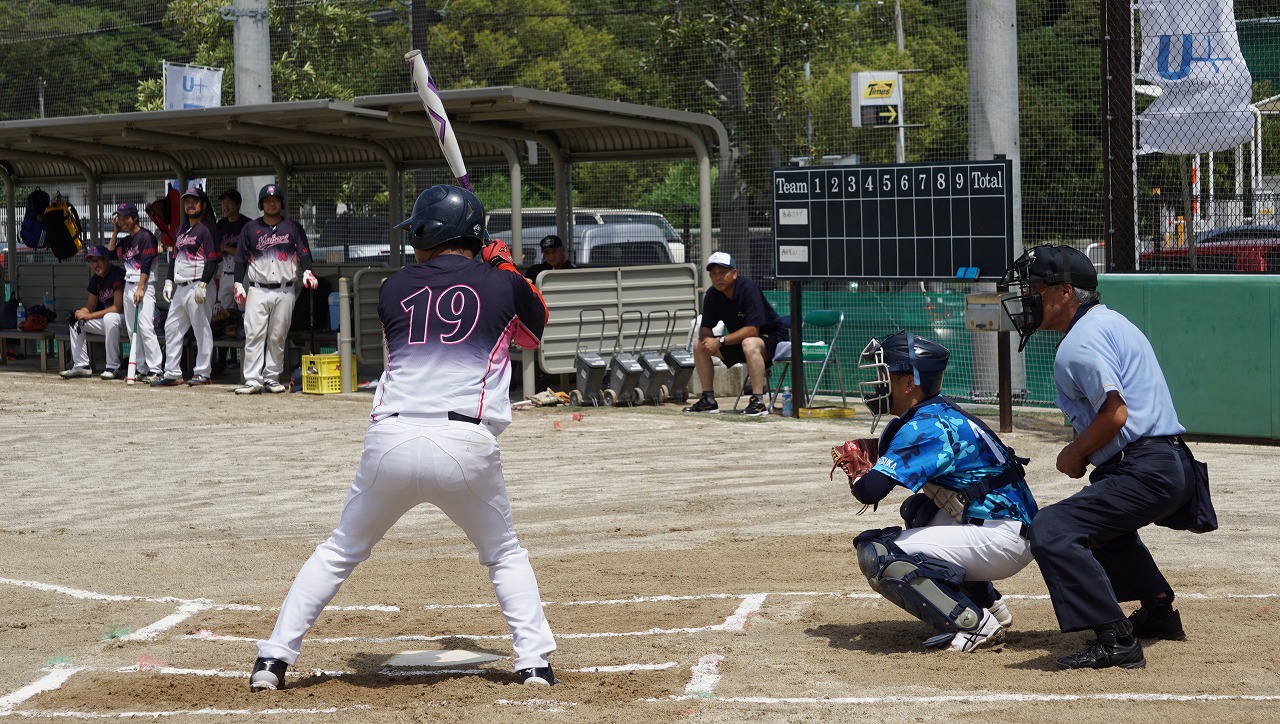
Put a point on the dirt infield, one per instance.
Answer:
(693, 567)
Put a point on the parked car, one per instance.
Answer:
(346, 238)
(1247, 249)
(536, 220)
(603, 245)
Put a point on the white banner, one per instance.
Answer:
(191, 86)
(1191, 53)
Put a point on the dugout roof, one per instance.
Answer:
(494, 126)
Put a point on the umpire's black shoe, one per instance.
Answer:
(538, 676)
(267, 674)
(1109, 649)
(1147, 626)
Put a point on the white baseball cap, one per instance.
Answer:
(720, 258)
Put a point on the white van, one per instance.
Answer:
(605, 245)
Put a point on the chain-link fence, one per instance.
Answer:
(776, 73)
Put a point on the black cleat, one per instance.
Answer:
(706, 404)
(267, 674)
(1147, 626)
(538, 676)
(1099, 654)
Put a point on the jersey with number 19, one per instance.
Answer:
(449, 324)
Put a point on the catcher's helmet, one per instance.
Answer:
(904, 352)
(270, 190)
(442, 214)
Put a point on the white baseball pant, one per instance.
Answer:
(149, 352)
(185, 314)
(988, 552)
(226, 281)
(407, 461)
(267, 316)
(108, 326)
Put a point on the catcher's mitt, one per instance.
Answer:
(854, 457)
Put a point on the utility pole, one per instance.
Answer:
(252, 43)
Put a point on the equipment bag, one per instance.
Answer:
(32, 233)
(62, 228)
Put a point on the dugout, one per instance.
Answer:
(386, 133)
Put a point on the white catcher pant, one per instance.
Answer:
(109, 327)
(988, 552)
(455, 466)
(149, 352)
(185, 314)
(267, 316)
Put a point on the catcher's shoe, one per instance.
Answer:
(1147, 626)
(76, 373)
(275, 387)
(988, 633)
(706, 403)
(1001, 612)
(267, 674)
(537, 676)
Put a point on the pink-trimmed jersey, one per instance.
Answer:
(195, 247)
(138, 252)
(271, 252)
(449, 324)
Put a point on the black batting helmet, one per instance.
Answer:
(442, 214)
(270, 190)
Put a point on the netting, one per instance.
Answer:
(776, 73)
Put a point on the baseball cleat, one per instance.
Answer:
(110, 374)
(988, 633)
(267, 674)
(248, 389)
(76, 373)
(537, 676)
(275, 387)
(1001, 612)
(1147, 626)
(167, 382)
(146, 378)
(198, 380)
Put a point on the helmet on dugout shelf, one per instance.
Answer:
(442, 214)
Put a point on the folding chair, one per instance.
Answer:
(820, 352)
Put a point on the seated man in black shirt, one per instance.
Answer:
(752, 333)
(553, 257)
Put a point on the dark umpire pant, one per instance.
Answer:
(1087, 546)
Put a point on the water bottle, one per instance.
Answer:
(48, 300)
(786, 402)
(22, 315)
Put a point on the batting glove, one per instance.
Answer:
(168, 290)
(202, 292)
(498, 255)
(239, 294)
(309, 280)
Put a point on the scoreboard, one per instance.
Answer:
(910, 221)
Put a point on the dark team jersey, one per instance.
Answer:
(532, 272)
(137, 251)
(229, 235)
(748, 308)
(104, 288)
(272, 253)
(195, 251)
(449, 324)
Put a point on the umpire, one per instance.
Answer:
(1111, 388)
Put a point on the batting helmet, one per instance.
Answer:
(270, 190)
(442, 214)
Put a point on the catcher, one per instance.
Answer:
(967, 523)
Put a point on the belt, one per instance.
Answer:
(229, 271)
(455, 416)
(1171, 440)
(1024, 530)
(277, 285)
(182, 284)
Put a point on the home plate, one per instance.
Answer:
(445, 657)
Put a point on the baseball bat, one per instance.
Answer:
(133, 346)
(430, 97)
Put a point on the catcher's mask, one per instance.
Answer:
(926, 360)
(1042, 266)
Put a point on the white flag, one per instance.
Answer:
(191, 86)
(1191, 52)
